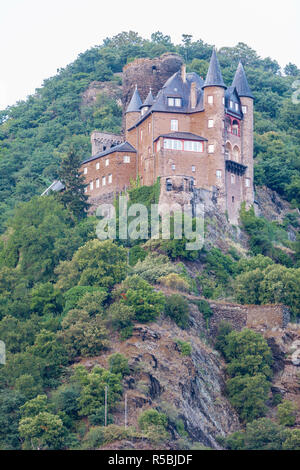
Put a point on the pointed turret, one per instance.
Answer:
(149, 100)
(135, 102)
(240, 82)
(214, 74)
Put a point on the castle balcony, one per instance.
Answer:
(235, 167)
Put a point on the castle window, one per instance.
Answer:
(158, 146)
(172, 144)
(174, 102)
(103, 181)
(85, 171)
(174, 125)
(210, 123)
(235, 128)
(173, 167)
(231, 104)
(244, 109)
(97, 166)
(211, 148)
(219, 174)
(110, 178)
(236, 106)
(247, 182)
(232, 198)
(91, 185)
(191, 146)
(97, 183)
(210, 99)
(232, 179)
(126, 159)
(107, 162)
(149, 127)
(141, 135)
(193, 168)
(223, 100)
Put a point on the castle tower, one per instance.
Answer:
(147, 103)
(132, 113)
(240, 82)
(213, 101)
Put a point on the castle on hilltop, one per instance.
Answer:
(195, 135)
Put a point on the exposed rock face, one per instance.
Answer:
(189, 388)
(111, 89)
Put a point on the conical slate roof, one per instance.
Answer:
(214, 74)
(149, 100)
(135, 102)
(240, 82)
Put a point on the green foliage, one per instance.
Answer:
(73, 197)
(153, 267)
(136, 253)
(260, 434)
(174, 281)
(97, 263)
(43, 431)
(224, 329)
(177, 308)
(205, 309)
(118, 364)
(152, 417)
(286, 413)
(94, 438)
(10, 402)
(92, 393)
(292, 441)
(141, 297)
(75, 294)
(184, 347)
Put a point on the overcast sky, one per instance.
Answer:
(39, 36)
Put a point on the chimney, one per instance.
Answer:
(193, 95)
(183, 73)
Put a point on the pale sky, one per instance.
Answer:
(39, 36)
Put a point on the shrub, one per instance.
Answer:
(120, 316)
(177, 308)
(224, 329)
(142, 298)
(118, 364)
(184, 347)
(174, 281)
(286, 413)
(136, 253)
(153, 267)
(152, 418)
(94, 438)
(205, 309)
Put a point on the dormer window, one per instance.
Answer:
(236, 106)
(175, 102)
(231, 104)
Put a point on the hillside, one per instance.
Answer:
(202, 346)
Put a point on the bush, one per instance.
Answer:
(118, 364)
(153, 267)
(150, 418)
(177, 308)
(205, 309)
(94, 438)
(141, 297)
(174, 281)
(184, 347)
(286, 413)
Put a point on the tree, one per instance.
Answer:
(248, 395)
(97, 263)
(118, 364)
(286, 413)
(10, 402)
(43, 431)
(73, 197)
(292, 441)
(177, 308)
(291, 69)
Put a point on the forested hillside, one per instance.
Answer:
(79, 316)
(34, 134)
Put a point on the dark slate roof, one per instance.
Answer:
(182, 135)
(214, 74)
(124, 147)
(149, 100)
(135, 102)
(55, 186)
(240, 82)
(175, 87)
(231, 94)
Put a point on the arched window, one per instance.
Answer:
(228, 151)
(236, 154)
(235, 128)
